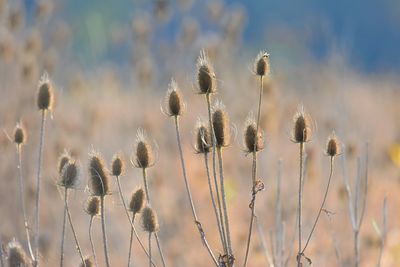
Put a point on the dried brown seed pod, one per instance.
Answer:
(118, 166)
(149, 220)
(144, 156)
(203, 142)
(62, 160)
(16, 255)
(93, 206)
(174, 100)
(69, 174)
(99, 179)
(88, 262)
(45, 95)
(205, 75)
(332, 146)
(137, 201)
(253, 141)
(19, 134)
(302, 128)
(220, 122)
(261, 64)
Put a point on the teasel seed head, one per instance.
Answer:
(93, 206)
(302, 128)
(69, 175)
(205, 75)
(174, 100)
(62, 160)
(16, 255)
(137, 201)
(253, 141)
(88, 262)
(45, 96)
(261, 64)
(144, 156)
(220, 122)
(19, 134)
(118, 165)
(149, 220)
(99, 179)
(203, 138)
(332, 146)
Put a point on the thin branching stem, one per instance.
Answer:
(189, 194)
(63, 231)
(78, 247)
(38, 178)
(91, 241)
(322, 206)
(146, 188)
(214, 164)
(103, 227)
(22, 200)
(130, 241)
(223, 196)
(301, 150)
(133, 229)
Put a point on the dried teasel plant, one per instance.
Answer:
(150, 225)
(93, 209)
(16, 256)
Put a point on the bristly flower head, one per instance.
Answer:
(144, 156)
(253, 141)
(62, 160)
(137, 201)
(174, 101)
(149, 220)
(332, 146)
(88, 262)
(69, 174)
(205, 75)
(99, 179)
(45, 95)
(93, 206)
(302, 127)
(261, 64)
(16, 255)
(19, 134)
(118, 165)
(203, 142)
(220, 122)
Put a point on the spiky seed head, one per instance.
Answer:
(93, 206)
(302, 128)
(220, 122)
(205, 74)
(69, 174)
(174, 100)
(88, 262)
(149, 220)
(332, 146)
(137, 201)
(16, 255)
(253, 141)
(45, 96)
(62, 160)
(203, 138)
(261, 65)
(99, 179)
(118, 165)
(19, 134)
(144, 151)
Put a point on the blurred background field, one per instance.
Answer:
(111, 62)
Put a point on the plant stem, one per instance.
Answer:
(63, 230)
(196, 220)
(38, 178)
(298, 258)
(103, 226)
(223, 196)
(322, 206)
(129, 218)
(91, 240)
(223, 239)
(130, 241)
(22, 200)
(78, 247)
(146, 187)
(357, 248)
(150, 249)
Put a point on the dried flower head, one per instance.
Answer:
(69, 174)
(332, 146)
(87, 262)
(19, 134)
(99, 179)
(174, 101)
(205, 74)
(93, 206)
(220, 122)
(45, 95)
(149, 220)
(261, 64)
(302, 127)
(62, 160)
(144, 156)
(16, 255)
(203, 138)
(137, 201)
(118, 165)
(253, 141)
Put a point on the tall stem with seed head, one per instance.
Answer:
(91, 240)
(63, 232)
(301, 150)
(103, 227)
